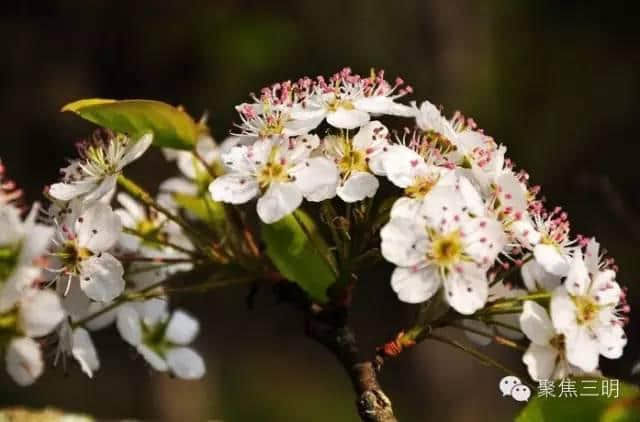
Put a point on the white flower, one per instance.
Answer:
(456, 138)
(95, 174)
(444, 246)
(162, 340)
(554, 248)
(82, 253)
(358, 159)
(509, 198)
(347, 101)
(278, 170)
(585, 310)
(21, 243)
(546, 357)
(24, 360)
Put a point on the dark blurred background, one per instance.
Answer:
(557, 82)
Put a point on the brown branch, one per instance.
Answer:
(329, 328)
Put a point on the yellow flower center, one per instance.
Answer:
(587, 309)
(336, 103)
(438, 141)
(72, 255)
(274, 126)
(446, 249)
(420, 187)
(353, 160)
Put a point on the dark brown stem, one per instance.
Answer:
(329, 328)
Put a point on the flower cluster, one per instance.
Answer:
(464, 217)
(446, 209)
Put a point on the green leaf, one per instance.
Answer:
(205, 209)
(301, 253)
(598, 408)
(171, 126)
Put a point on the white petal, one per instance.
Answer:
(12, 289)
(301, 127)
(592, 255)
(152, 358)
(582, 349)
(35, 243)
(104, 190)
(511, 193)
(466, 288)
(297, 149)
(536, 278)
(234, 188)
(40, 313)
(68, 191)
(103, 320)
(402, 165)
(98, 228)
(406, 207)
(413, 285)
(128, 323)
(471, 197)
(347, 119)
(612, 340)
(358, 186)
(317, 178)
(309, 117)
(178, 185)
(605, 290)
(133, 207)
(404, 242)
(380, 104)
(24, 361)
(185, 363)
(536, 324)
(525, 233)
(135, 149)
(373, 136)
(101, 277)
(578, 280)
(540, 361)
(551, 259)
(563, 311)
(189, 165)
(278, 201)
(182, 328)
(84, 352)
(483, 239)
(429, 117)
(153, 310)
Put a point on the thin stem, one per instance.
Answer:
(127, 297)
(160, 242)
(158, 260)
(504, 325)
(498, 339)
(481, 357)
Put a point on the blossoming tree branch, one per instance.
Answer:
(310, 188)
